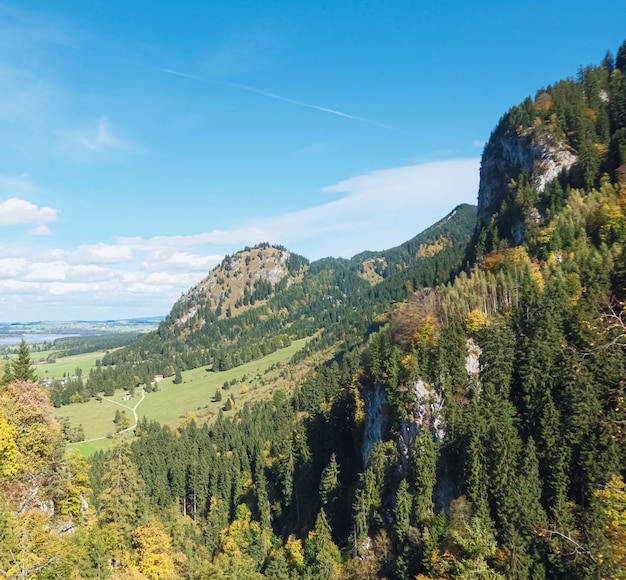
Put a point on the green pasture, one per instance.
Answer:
(66, 365)
(173, 404)
(95, 417)
(91, 447)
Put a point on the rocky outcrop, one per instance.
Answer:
(228, 282)
(374, 398)
(535, 152)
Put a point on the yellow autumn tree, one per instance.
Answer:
(38, 435)
(516, 258)
(33, 547)
(613, 500)
(475, 321)
(153, 547)
(75, 487)
(9, 453)
(295, 552)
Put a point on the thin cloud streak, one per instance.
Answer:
(278, 98)
(169, 71)
(307, 105)
(409, 196)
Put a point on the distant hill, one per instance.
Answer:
(261, 298)
(81, 327)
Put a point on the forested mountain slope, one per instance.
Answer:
(261, 298)
(477, 430)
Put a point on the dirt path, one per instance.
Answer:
(132, 409)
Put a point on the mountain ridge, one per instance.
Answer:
(215, 323)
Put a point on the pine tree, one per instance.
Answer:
(326, 554)
(7, 375)
(498, 357)
(403, 510)
(424, 468)
(20, 368)
(329, 485)
(554, 459)
(260, 486)
(122, 496)
(277, 566)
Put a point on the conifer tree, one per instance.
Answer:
(424, 467)
(326, 553)
(498, 357)
(553, 462)
(20, 368)
(122, 497)
(403, 510)
(329, 484)
(263, 503)
(277, 566)
(7, 375)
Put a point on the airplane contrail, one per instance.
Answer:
(169, 71)
(278, 98)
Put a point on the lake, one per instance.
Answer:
(31, 338)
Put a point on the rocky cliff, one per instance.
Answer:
(536, 152)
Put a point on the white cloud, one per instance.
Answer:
(40, 231)
(165, 259)
(52, 254)
(478, 144)
(65, 288)
(172, 279)
(93, 273)
(11, 267)
(18, 288)
(101, 137)
(238, 237)
(411, 198)
(15, 211)
(141, 288)
(104, 253)
(47, 271)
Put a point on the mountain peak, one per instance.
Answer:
(241, 281)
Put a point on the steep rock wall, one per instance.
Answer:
(538, 154)
(374, 398)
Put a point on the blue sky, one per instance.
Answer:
(142, 141)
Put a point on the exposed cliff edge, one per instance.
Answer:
(572, 136)
(541, 157)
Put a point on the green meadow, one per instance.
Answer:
(173, 404)
(65, 366)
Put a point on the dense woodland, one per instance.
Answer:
(471, 425)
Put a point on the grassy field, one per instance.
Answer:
(173, 404)
(66, 365)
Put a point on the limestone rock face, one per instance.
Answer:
(539, 154)
(227, 283)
